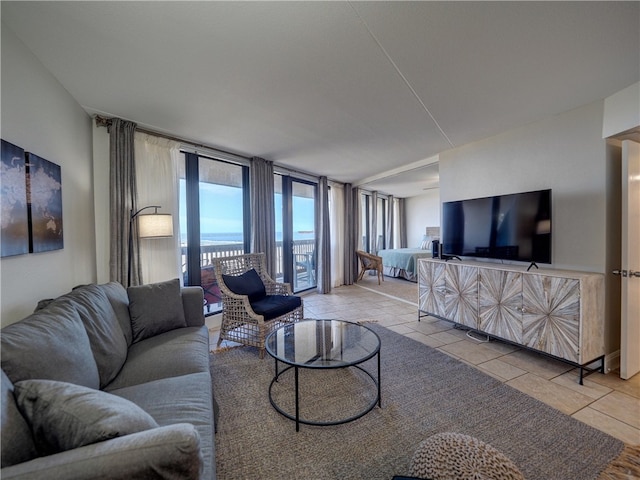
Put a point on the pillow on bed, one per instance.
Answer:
(426, 243)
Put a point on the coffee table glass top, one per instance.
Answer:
(323, 343)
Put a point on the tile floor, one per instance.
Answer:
(604, 401)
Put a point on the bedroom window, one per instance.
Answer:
(373, 223)
(365, 215)
(381, 220)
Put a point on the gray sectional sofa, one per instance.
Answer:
(104, 382)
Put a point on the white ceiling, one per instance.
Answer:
(362, 92)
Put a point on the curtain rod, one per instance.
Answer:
(105, 122)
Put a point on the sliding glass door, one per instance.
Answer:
(295, 203)
(214, 219)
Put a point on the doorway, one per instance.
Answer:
(295, 204)
(214, 220)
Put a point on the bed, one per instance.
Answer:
(402, 262)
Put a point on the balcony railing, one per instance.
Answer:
(303, 251)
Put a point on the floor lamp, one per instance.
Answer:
(151, 225)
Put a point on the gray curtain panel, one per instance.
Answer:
(263, 219)
(390, 222)
(402, 223)
(323, 268)
(351, 227)
(122, 200)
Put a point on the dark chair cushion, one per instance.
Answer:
(249, 283)
(274, 306)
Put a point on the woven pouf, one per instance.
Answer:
(448, 456)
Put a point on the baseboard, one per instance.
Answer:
(612, 361)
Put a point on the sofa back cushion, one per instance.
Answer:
(155, 308)
(106, 338)
(249, 283)
(119, 299)
(16, 441)
(52, 344)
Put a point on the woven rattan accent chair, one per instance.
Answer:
(369, 262)
(253, 304)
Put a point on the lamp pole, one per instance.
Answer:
(132, 217)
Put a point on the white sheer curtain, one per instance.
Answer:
(157, 182)
(337, 231)
(373, 223)
(359, 213)
(396, 222)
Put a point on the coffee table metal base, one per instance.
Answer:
(376, 401)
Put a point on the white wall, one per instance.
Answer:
(621, 111)
(40, 116)
(613, 293)
(422, 211)
(565, 153)
(101, 200)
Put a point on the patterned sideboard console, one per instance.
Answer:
(557, 312)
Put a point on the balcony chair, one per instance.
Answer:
(304, 270)
(253, 304)
(212, 295)
(369, 262)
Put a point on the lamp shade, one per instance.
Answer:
(155, 225)
(543, 227)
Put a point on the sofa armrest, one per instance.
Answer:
(170, 452)
(193, 304)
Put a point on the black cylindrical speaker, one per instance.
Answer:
(435, 248)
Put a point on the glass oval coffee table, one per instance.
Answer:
(323, 345)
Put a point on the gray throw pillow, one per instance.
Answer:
(64, 416)
(155, 308)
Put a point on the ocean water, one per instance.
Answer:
(236, 237)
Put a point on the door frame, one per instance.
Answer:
(630, 262)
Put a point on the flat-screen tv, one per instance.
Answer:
(509, 227)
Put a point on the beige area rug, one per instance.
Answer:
(393, 287)
(423, 392)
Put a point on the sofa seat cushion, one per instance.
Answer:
(155, 308)
(108, 342)
(64, 416)
(249, 283)
(50, 344)
(177, 352)
(187, 398)
(274, 306)
(16, 444)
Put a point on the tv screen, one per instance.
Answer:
(508, 227)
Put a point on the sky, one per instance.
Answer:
(221, 210)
